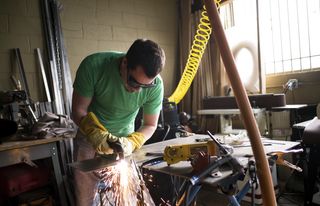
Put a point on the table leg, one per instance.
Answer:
(57, 173)
(311, 176)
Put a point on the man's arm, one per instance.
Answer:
(150, 123)
(90, 126)
(80, 106)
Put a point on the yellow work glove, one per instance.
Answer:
(132, 142)
(97, 134)
(137, 139)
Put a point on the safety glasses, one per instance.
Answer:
(135, 84)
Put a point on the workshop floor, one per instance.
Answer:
(209, 198)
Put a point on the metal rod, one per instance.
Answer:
(31, 112)
(56, 39)
(47, 22)
(261, 80)
(64, 63)
(250, 124)
(43, 74)
(57, 100)
(22, 71)
(16, 82)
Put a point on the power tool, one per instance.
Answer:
(176, 153)
(117, 148)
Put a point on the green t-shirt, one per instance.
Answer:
(98, 76)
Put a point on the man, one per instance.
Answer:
(109, 89)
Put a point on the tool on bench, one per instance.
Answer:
(176, 153)
(223, 148)
(278, 156)
(15, 106)
(24, 83)
(227, 184)
(199, 153)
(117, 148)
(224, 158)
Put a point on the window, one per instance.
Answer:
(289, 33)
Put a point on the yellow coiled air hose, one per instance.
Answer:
(197, 49)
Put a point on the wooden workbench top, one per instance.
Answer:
(9, 145)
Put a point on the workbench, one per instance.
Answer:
(239, 151)
(184, 169)
(14, 152)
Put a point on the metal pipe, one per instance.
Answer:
(250, 124)
(22, 71)
(50, 42)
(43, 74)
(66, 80)
(261, 87)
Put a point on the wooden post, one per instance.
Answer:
(263, 170)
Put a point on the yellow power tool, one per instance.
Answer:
(176, 153)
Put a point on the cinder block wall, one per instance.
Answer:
(88, 26)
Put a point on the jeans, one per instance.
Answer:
(85, 183)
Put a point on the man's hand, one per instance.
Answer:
(96, 133)
(103, 141)
(130, 143)
(137, 139)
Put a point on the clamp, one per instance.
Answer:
(278, 157)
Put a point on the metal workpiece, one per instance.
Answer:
(99, 162)
(102, 161)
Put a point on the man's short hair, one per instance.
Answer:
(147, 54)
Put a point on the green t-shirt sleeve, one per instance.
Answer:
(153, 104)
(84, 81)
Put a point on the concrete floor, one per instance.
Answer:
(291, 195)
(210, 198)
(291, 187)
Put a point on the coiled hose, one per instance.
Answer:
(197, 49)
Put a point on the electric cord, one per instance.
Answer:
(167, 132)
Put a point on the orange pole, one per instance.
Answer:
(263, 171)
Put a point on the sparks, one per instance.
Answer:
(123, 168)
(122, 185)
